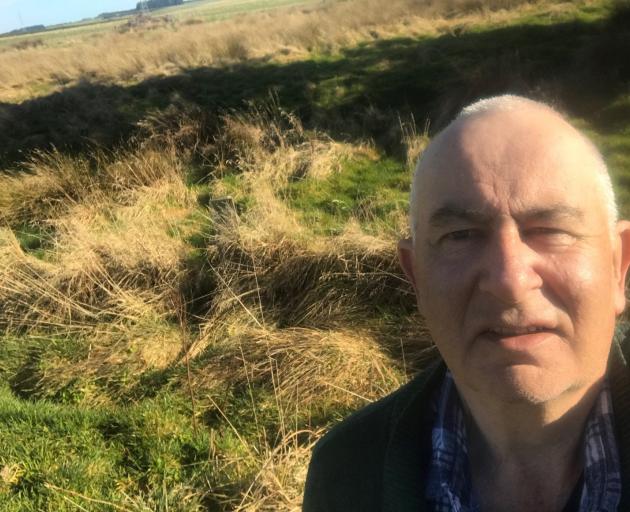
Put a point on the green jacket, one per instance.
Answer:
(374, 460)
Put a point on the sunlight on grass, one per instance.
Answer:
(363, 189)
(198, 270)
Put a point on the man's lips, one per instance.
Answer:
(515, 337)
(516, 331)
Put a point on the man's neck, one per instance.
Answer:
(527, 456)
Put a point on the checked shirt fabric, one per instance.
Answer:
(449, 487)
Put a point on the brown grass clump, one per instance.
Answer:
(280, 314)
(267, 142)
(134, 233)
(413, 142)
(309, 367)
(301, 287)
(278, 483)
(53, 181)
(304, 326)
(115, 265)
(50, 181)
(267, 148)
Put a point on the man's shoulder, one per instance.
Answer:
(371, 423)
(375, 421)
(347, 465)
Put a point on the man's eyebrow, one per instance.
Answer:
(451, 213)
(553, 212)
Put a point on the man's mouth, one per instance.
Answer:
(516, 331)
(518, 338)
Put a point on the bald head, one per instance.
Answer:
(511, 134)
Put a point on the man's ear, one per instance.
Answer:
(406, 258)
(622, 262)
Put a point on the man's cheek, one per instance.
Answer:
(440, 317)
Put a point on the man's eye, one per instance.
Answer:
(547, 232)
(544, 231)
(461, 235)
(550, 236)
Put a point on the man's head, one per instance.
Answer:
(517, 257)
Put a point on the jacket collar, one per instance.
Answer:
(619, 378)
(410, 444)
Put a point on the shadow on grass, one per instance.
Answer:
(581, 65)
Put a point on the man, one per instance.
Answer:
(518, 263)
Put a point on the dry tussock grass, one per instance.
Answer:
(308, 367)
(135, 232)
(112, 285)
(413, 142)
(300, 286)
(278, 483)
(53, 181)
(267, 142)
(298, 314)
(282, 34)
(112, 273)
(268, 148)
(100, 246)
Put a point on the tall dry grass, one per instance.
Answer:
(265, 303)
(280, 34)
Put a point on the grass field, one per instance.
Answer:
(197, 258)
(191, 13)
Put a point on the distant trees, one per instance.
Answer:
(29, 30)
(156, 4)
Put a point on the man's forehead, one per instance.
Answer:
(517, 163)
(503, 137)
(523, 156)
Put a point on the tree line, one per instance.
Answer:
(156, 4)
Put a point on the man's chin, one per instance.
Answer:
(529, 384)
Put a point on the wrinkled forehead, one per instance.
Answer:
(508, 160)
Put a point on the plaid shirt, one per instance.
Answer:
(449, 487)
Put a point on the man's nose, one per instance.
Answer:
(509, 267)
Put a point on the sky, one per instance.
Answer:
(23, 13)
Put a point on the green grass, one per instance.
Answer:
(64, 456)
(36, 240)
(57, 455)
(364, 189)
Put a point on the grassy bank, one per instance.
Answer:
(195, 287)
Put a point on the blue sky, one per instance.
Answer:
(22, 13)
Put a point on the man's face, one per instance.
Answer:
(515, 269)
